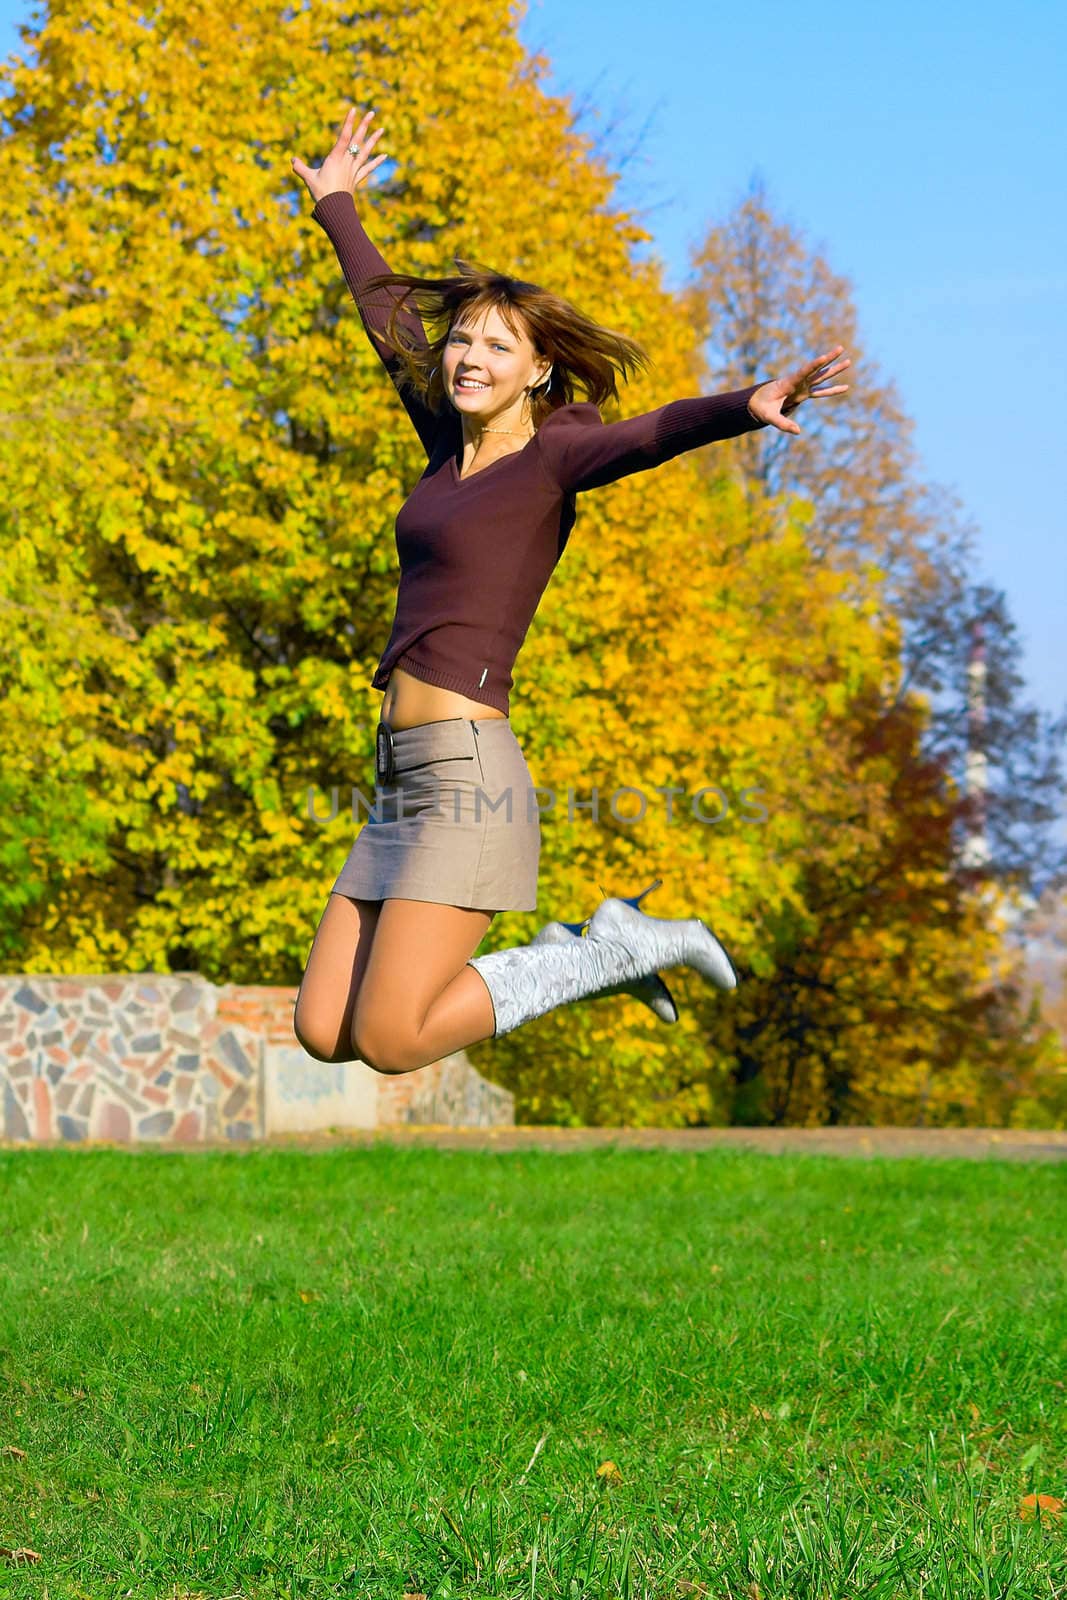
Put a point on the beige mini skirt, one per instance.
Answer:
(457, 824)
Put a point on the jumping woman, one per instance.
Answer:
(454, 838)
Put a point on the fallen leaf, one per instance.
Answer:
(13, 1451)
(609, 1471)
(1047, 1504)
(307, 1294)
(18, 1555)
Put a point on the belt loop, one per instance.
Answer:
(384, 754)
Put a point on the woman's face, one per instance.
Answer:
(501, 363)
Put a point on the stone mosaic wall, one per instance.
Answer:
(174, 1058)
(124, 1057)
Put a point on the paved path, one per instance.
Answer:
(1003, 1144)
(975, 1143)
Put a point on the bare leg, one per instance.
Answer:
(324, 1007)
(419, 1000)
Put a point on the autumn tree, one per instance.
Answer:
(759, 289)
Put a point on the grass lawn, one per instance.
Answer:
(388, 1371)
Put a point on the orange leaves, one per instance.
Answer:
(1040, 1507)
(19, 1557)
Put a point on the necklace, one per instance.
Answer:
(516, 433)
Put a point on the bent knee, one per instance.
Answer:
(386, 1048)
(387, 1056)
(320, 1041)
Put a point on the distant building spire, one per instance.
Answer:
(976, 851)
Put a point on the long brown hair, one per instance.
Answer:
(582, 352)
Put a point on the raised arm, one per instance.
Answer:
(583, 451)
(332, 185)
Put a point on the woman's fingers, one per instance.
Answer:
(358, 145)
(821, 361)
(346, 126)
(364, 172)
(335, 172)
(789, 392)
(347, 136)
(804, 377)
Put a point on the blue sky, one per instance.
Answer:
(921, 150)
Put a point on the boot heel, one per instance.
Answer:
(635, 900)
(630, 900)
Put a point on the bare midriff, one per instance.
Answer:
(407, 701)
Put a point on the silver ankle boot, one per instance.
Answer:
(651, 991)
(679, 942)
(623, 943)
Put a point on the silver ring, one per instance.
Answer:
(353, 150)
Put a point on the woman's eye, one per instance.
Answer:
(456, 337)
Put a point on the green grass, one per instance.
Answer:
(371, 1372)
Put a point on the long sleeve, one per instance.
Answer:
(360, 260)
(582, 451)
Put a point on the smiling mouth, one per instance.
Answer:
(471, 385)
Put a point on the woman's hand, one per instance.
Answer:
(342, 169)
(773, 401)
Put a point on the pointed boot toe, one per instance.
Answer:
(654, 992)
(655, 942)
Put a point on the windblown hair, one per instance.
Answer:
(583, 354)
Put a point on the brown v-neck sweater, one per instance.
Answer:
(476, 553)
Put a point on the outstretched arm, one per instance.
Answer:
(584, 452)
(332, 185)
